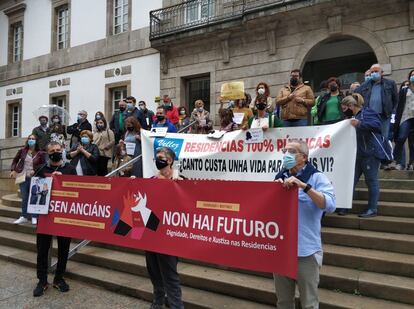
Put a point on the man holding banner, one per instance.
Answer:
(55, 166)
(316, 196)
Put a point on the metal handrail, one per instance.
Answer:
(84, 243)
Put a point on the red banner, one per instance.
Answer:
(249, 225)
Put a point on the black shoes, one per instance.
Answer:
(368, 214)
(342, 212)
(61, 285)
(40, 289)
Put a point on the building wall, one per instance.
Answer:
(91, 54)
(88, 21)
(86, 89)
(383, 25)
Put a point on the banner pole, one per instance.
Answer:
(84, 243)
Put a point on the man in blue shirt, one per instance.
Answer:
(163, 121)
(316, 196)
(380, 94)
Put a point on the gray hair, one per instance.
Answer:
(168, 152)
(303, 146)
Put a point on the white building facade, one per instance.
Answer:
(81, 55)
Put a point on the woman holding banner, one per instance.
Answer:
(162, 268)
(25, 163)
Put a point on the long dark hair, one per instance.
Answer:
(36, 146)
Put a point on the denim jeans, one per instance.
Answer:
(405, 128)
(295, 123)
(369, 167)
(24, 191)
(385, 126)
(162, 270)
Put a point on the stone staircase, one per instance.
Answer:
(368, 263)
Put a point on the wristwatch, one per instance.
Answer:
(307, 188)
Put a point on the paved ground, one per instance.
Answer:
(17, 283)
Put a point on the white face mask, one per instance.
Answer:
(261, 91)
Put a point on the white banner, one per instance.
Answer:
(332, 150)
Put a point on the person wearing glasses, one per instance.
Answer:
(315, 196)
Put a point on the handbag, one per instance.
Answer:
(20, 178)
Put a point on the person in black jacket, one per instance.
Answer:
(54, 166)
(81, 125)
(42, 132)
(84, 155)
(117, 123)
(148, 115)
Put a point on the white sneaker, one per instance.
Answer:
(21, 220)
(399, 167)
(34, 221)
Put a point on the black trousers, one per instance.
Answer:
(43, 243)
(102, 166)
(162, 270)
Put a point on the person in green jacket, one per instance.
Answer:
(263, 119)
(329, 105)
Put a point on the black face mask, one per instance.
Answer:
(161, 163)
(294, 81)
(55, 157)
(160, 118)
(261, 106)
(333, 88)
(348, 113)
(130, 129)
(122, 109)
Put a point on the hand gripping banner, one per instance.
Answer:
(248, 225)
(332, 150)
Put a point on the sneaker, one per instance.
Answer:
(156, 306)
(390, 166)
(40, 289)
(34, 221)
(61, 285)
(410, 167)
(21, 220)
(342, 212)
(399, 167)
(368, 214)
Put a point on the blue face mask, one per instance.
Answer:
(130, 106)
(289, 160)
(31, 142)
(85, 140)
(376, 76)
(412, 79)
(368, 78)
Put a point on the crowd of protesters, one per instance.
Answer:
(378, 111)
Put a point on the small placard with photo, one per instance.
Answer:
(39, 196)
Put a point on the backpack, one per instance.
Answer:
(386, 152)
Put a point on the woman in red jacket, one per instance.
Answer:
(26, 162)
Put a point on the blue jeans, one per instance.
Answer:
(385, 126)
(369, 167)
(399, 152)
(295, 123)
(24, 191)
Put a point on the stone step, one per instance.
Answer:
(11, 200)
(399, 243)
(253, 288)
(387, 195)
(393, 209)
(132, 285)
(7, 183)
(399, 184)
(395, 174)
(391, 263)
(388, 224)
(365, 283)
